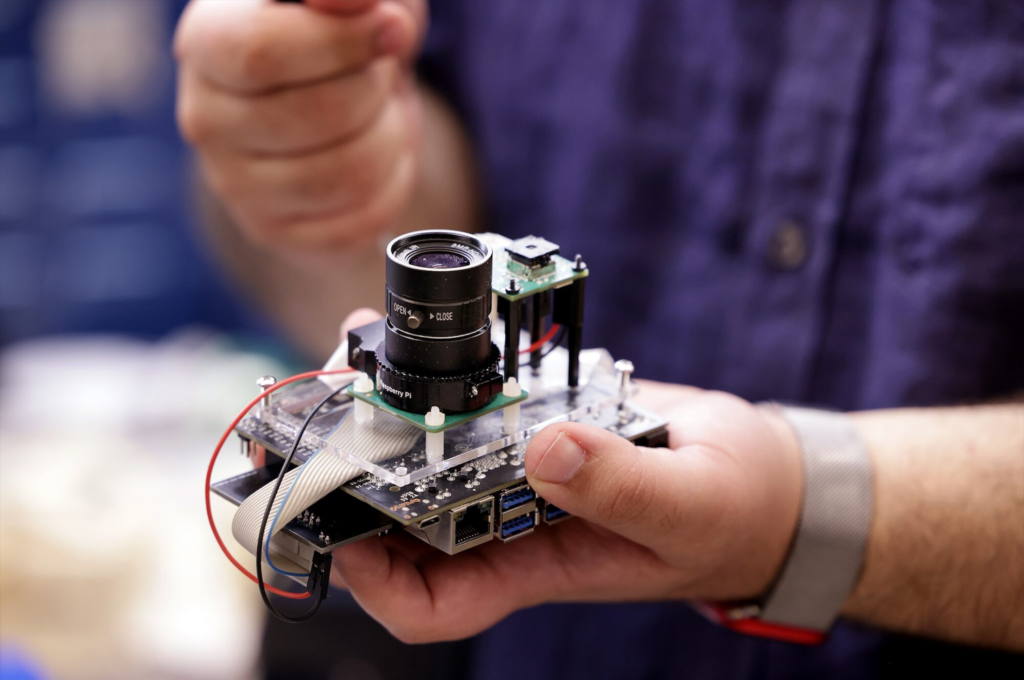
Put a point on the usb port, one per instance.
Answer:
(517, 527)
(513, 498)
(553, 513)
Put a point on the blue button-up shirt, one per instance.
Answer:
(814, 201)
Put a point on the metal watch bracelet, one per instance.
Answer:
(827, 551)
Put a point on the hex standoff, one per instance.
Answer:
(511, 415)
(364, 411)
(435, 440)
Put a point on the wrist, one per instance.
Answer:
(823, 561)
(786, 503)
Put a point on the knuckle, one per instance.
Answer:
(257, 55)
(196, 126)
(631, 496)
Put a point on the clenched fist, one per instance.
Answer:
(304, 116)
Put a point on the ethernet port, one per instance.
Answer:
(458, 529)
(474, 523)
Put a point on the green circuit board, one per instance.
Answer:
(450, 420)
(504, 268)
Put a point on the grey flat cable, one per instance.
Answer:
(378, 440)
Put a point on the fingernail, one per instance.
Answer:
(389, 38)
(561, 461)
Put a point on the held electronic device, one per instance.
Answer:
(427, 430)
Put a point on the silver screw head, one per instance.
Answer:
(264, 383)
(624, 366)
(578, 264)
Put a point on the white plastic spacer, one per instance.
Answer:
(363, 384)
(512, 388)
(511, 414)
(364, 410)
(435, 440)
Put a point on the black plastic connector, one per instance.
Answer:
(319, 575)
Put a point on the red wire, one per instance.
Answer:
(213, 459)
(543, 341)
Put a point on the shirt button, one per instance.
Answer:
(787, 248)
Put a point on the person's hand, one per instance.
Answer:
(304, 117)
(711, 517)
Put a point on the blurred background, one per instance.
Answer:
(124, 351)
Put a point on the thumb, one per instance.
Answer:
(601, 477)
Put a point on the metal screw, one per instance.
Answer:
(513, 286)
(264, 383)
(473, 391)
(321, 536)
(578, 264)
(356, 353)
(327, 539)
(624, 369)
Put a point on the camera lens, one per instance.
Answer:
(437, 260)
(437, 348)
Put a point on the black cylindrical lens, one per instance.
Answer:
(438, 283)
(438, 307)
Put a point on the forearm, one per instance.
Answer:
(946, 553)
(309, 295)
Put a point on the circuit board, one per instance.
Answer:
(477, 492)
(335, 520)
(435, 493)
(550, 401)
(563, 272)
(451, 419)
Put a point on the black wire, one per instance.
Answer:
(266, 519)
(559, 337)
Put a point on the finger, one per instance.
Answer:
(287, 190)
(341, 6)
(419, 12)
(255, 46)
(637, 492)
(357, 319)
(383, 581)
(291, 121)
(349, 230)
(436, 597)
(440, 597)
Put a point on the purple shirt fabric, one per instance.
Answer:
(814, 201)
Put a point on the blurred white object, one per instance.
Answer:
(107, 566)
(104, 56)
